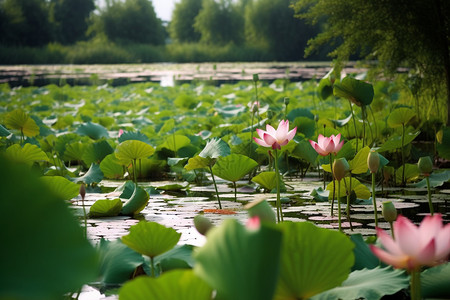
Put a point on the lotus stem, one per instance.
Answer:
(415, 285)
(374, 200)
(251, 135)
(430, 204)
(339, 205)
(134, 171)
(152, 262)
(348, 192)
(403, 155)
(215, 187)
(277, 176)
(392, 229)
(83, 194)
(354, 124)
(334, 186)
(363, 114)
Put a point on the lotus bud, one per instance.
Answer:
(255, 77)
(202, 224)
(425, 165)
(373, 161)
(389, 211)
(262, 210)
(340, 168)
(82, 191)
(286, 100)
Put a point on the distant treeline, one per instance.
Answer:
(79, 31)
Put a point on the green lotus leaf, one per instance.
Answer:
(4, 131)
(130, 135)
(364, 257)
(136, 203)
(174, 186)
(436, 179)
(61, 142)
(434, 282)
(179, 257)
(325, 88)
(105, 208)
(400, 116)
(320, 194)
(93, 175)
(357, 91)
(411, 173)
(305, 126)
(176, 284)
(303, 150)
(368, 284)
(229, 111)
(20, 120)
(395, 142)
(27, 154)
(96, 152)
(168, 126)
(117, 261)
(175, 142)
(111, 167)
(173, 161)
(197, 162)
(443, 145)
(74, 151)
(127, 189)
(233, 167)
(313, 260)
(215, 148)
(299, 112)
(62, 258)
(358, 165)
(151, 239)
(44, 130)
(361, 191)
(266, 179)
(62, 187)
(240, 263)
(131, 150)
(93, 130)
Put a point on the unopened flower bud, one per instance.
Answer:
(425, 165)
(82, 191)
(255, 77)
(202, 224)
(286, 100)
(340, 168)
(373, 161)
(389, 211)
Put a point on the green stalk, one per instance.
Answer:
(403, 154)
(152, 262)
(430, 204)
(251, 136)
(134, 171)
(85, 215)
(339, 204)
(415, 285)
(348, 192)
(374, 200)
(277, 175)
(215, 187)
(392, 229)
(354, 125)
(334, 186)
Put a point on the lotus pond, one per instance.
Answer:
(133, 190)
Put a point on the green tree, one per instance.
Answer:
(412, 33)
(271, 25)
(24, 22)
(220, 23)
(131, 21)
(70, 19)
(181, 28)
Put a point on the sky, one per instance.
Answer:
(163, 8)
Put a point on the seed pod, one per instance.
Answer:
(425, 165)
(373, 161)
(389, 211)
(255, 77)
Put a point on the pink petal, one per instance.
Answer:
(429, 228)
(443, 243)
(320, 150)
(270, 140)
(426, 256)
(282, 130)
(324, 142)
(399, 262)
(338, 147)
(330, 147)
(254, 223)
(260, 132)
(261, 142)
(270, 130)
(388, 242)
(292, 133)
(407, 235)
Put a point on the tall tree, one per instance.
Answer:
(220, 23)
(412, 33)
(271, 25)
(70, 19)
(132, 21)
(181, 28)
(24, 22)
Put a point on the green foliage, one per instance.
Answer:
(131, 150)
(434, 282)
(181, 28)
(111, 167)
(61, 186)
(27, 154)
(400, 116)
(233, 167)
(93, 175)
(136, 203)
(105, 208)
(361, 191)
(215, 148)
(357, 91)
(232, 262)
(62, 260)
(20, 120)
(313, 260)
(266, 179)
(150, 238)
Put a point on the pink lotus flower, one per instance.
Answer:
(275, 138)
(413, 247)
(327, 145)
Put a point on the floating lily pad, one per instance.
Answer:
(105, 208)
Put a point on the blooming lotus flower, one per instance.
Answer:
(275, 138)
(327, 145)
(413, 247)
